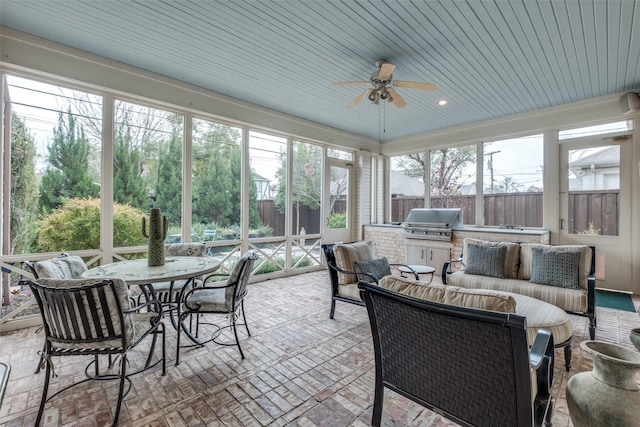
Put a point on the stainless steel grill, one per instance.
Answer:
(432, 224)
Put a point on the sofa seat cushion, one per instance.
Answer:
(542, 315)
(574, 300)
(473, 298)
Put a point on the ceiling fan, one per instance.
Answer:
(382, 86)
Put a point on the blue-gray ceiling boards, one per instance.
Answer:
(489, 59)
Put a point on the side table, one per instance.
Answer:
(420, 269)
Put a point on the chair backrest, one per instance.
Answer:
(240, 277)
(84, 314)
(61, 267)
(330, 257)
(186, 249)
(470, 365)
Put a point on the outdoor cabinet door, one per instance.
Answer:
(427, 255)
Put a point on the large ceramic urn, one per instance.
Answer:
(608, 395)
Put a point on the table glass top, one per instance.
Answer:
(138, 271)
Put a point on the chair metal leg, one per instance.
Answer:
(45, 390)
(235, 332)
(244, 317)
(123, 377)
(333, 308)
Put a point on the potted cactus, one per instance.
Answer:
(158, 226)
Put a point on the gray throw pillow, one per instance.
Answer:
(485, 260)
(375, 267)
(555, 268)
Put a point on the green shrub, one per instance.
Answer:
(76, 225)
(338, 220)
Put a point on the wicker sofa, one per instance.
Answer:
(562, 275)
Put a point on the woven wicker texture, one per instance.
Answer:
(440, 365)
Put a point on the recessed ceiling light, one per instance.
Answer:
(442, 102)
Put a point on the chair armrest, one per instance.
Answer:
(336, 268)
(541, 358)
(446, 268)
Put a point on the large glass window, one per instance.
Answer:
(512, 182)
(268, 183)
(406, 184)
(594, 191)
(147, 169)
(217, 181)
(306, 188)
(453, 180)
(56, 139)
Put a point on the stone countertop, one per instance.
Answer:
(525, 231)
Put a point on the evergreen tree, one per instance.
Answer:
(168, 188)
(67, 174)
(24, 188)
(129, 187)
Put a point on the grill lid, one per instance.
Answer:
(446, 218)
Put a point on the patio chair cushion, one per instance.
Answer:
(122, 293)
(62, 267)
(346, 256)
(483, 299)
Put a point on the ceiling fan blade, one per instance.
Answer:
(396, 98)
(350, 83)
(414, 85)
(359, 98)
(386, 70)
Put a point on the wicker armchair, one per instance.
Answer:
(89, 317)
(469, 365)
(341, 263)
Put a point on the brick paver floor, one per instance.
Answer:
(301, 369)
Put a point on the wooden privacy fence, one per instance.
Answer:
(589, 211)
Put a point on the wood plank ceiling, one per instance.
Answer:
(489, 59)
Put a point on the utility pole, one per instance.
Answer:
(490, 165)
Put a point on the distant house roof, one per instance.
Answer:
(606, 157)
(404, 185)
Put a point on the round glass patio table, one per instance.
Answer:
(137, 271)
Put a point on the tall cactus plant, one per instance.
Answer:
(158, 226)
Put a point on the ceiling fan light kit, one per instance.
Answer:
(382, 86)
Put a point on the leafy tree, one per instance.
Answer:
(447, 171)
(216, 182)
(129, 187)
(168, 188)
(75, 225)
(306, 180)
(24, 188)
(67, 174)
(508, 185)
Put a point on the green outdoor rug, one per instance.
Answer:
(615, 300)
